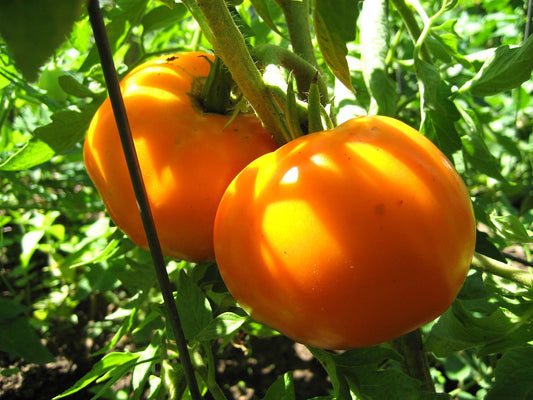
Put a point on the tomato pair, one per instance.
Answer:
(343, 238)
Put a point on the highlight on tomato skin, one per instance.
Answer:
(349, 237)
(187, 157)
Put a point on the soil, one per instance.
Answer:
(244, 373)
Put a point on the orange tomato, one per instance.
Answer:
(187, 157)
(349, 237)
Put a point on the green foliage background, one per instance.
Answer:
(465, 83)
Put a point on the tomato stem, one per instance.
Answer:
(498, 268)
(216, 91)
(297, 18)
(121, 118)
(303, 71)
(415, 362)
(229, 44)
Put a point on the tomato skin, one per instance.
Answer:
(187, 157)
(349, 237)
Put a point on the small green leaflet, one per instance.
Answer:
(334, 27)
(33, 29)
(506, 69)
(514, 375)
(33, 153)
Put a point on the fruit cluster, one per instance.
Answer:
(344, 238)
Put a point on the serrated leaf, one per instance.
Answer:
(365, 356)
(439, 112)
(33, 153)
(33, 29)
(193, 307)
(370, 383)
(478, 155)
(67, 128)
(338, 380)
(223, 325)
(17, 337)
(506, 69)
(70, 85)
(163, 17)
(281, 389)
(145, 362)
(108, 363)
(334, 27)
(513, 375)
(511, 228)
(458, 329)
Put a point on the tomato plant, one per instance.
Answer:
(348, 237)
(187, 157)
(105, 319)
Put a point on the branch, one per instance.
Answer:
(498, 268)
(229, 44)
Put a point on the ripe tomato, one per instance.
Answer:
(349, 237)
(187, 157)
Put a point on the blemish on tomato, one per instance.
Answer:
(380, 209)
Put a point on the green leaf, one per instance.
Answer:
(511, 228)
(33, 29)
(506, 69)
(334, 27)
(261, 7)
(71, 86)
(10, 308)
(163, 17)
(145, 362)
(135, 276)
(281, 389)
(338, 380)
(458, 329)
(17, 337)
(33, 153)
(513, 375)
(110, 362)
(365, 356)
(374, 48)
(369, 383)
(439, 112)
(193, 307)
(478, 155)
(67, 128)
(222, 326)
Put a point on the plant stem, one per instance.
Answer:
(229, 44)
(119, 110)
(297, 18)
(415, 362)
(303, 71)
(495, 267)
(412, 26)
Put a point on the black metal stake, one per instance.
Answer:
(115, 96)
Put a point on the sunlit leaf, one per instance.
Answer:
(334, 27)
(506, 69)
(33, 153)
(33, 29)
